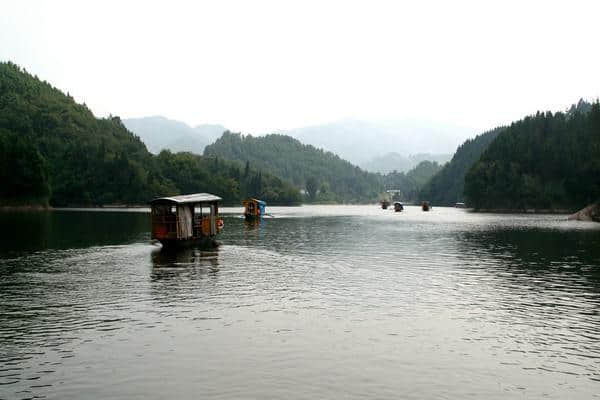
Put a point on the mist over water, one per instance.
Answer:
(319, 302)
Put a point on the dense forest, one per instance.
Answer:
(54, 151)
(324, 176)
(544, 161)
(446, 187)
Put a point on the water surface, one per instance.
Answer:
(320, 302)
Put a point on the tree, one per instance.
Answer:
(312, 187)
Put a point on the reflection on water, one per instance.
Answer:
(336, 301)
(171, 263)
(30, 231)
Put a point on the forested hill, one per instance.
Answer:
(545, 161)
(411, 182)
(325, 176)
(446, 187)
(53, 150)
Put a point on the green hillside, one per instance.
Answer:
(545, 161)
(446, 187)
(411, 182)
(324, 176)
(54, 151)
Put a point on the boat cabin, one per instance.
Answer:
(254, 208)
(186, 220)
(398, 206)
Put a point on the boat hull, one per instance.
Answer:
(206, 242)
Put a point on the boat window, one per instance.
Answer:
(160, 210)
(173, 210)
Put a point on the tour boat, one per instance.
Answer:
(254, 209)
(187, 220)
(398, 206)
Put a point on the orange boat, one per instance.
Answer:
(187, 220)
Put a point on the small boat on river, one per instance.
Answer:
(425, 206)
(254, 209)
(385, 204)
(398, 206)
(187, 220)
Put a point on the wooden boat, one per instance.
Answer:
(254, 209)
(187, 220)
(385, 204)
(398, 206)
(425, 206)
(459, 205)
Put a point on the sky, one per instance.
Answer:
(259, 66)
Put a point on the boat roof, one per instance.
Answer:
(188, 198)
(257, 201)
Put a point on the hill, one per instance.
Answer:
(411, 182)
(324, 175)
(544, 161)
(159, 133)
(447, 186)
(54, 151)
(360, 141)
(397, 162)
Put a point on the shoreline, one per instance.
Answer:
(521, 211)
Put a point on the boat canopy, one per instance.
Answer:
(188, 199)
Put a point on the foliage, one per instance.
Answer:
(299, 164)
(446, 187)
(54, 150)
(22, 172)
(545, 161)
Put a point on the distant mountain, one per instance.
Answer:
(447, 186)
(159, 133)
(397, 162)
(359, 141)
(324, 176)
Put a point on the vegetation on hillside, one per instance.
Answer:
(545, 161)
(324, 176)
(411, 182)
(446, 187)
(54, 151)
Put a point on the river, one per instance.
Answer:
(348, 302)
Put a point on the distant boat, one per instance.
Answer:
(426, 206)
(459, 205)
(187, 220)
(398, 206)
(385, 204)
(254, 209)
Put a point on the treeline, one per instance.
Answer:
(545, 161)
(54, 151)
(446, 187)
(411, 182)
(324, 176)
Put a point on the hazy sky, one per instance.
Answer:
(256, 66)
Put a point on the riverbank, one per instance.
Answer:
(521, 211)
(25, 208)
(589, 213)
